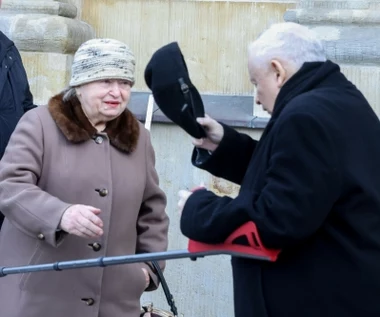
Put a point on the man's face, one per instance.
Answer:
(265, 78)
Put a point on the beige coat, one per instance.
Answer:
(54, 159)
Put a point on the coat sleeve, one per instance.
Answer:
(20, 72)
(28, 100)
(301, 186)
(153, 222)
(231, 158)
(29, 208)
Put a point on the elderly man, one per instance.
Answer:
(311, 185)
(15, 96)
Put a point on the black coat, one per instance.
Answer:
(15, 95)
(312, 187)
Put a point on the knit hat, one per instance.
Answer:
(99, 59)
(167, 76)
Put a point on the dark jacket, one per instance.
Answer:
(15, 95)
(312, 187)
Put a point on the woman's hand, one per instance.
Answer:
(214, 131)
(82, 221)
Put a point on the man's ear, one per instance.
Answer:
(279, 71)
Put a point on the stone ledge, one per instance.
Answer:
(337, 4)
(235, 111)
(324, 16)
(45, 33)
(40, 7)
(350, 44)
(344, 41)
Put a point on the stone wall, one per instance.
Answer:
(350, 32)
(47, 34)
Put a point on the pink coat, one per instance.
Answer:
(54, 159)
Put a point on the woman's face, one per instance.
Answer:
(104, 100)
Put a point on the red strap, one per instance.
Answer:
(247, 230)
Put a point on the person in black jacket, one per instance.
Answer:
(15, 95)
(311, 185)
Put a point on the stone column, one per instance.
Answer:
(350, 32)
(47, 35)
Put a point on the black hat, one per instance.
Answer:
(168, 78)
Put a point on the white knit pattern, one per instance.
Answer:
(99, 59)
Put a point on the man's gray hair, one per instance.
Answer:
(288, 42)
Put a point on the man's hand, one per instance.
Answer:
(214, 131)
(147, 277)
(82, 221)
(184, 196)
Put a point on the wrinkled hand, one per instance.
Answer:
(214, 131)
(147, 277)
(82, 221)
(184, 196)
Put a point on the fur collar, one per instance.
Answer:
(123, 131)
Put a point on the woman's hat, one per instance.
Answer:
(99, 59)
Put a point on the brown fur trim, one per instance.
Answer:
(123, 131)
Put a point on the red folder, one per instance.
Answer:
(255, 247)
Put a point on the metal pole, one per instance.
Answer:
(125, 259)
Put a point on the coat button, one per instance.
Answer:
(40, 236)
(88, 301)
(98, 140)
(103, 192)
(96, 246)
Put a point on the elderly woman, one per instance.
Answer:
(77, 181)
